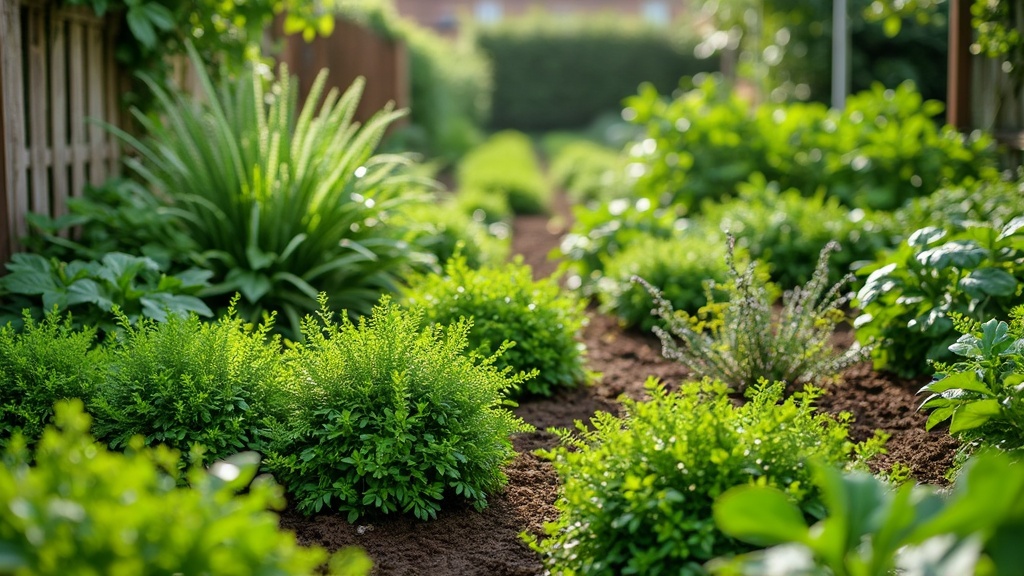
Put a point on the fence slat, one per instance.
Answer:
(113, 104)
(14, 125)
(59, 114)
(76, 69)
(94, 51)
(6, 80)
(37, 109)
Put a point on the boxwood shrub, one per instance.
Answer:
(73, 508)
(505, 303)
(638, 491)
(384, 416)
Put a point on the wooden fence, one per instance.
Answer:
(57, 71)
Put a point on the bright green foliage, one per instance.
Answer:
(91, 290)
(506, 304)
(75, 509)
(975, 269)
(559, 71)
(42, 363)
(787, 230)
(284, 203)
(872, 529)
(980, 394)
(743, 339)
(880, 150)
(602, 231)
(681, 265)
(185, 382)
(385, 417)
(638, 492)
(993, 201)
(589, 172)
(443, 229)
(505, 165)
(486, 207)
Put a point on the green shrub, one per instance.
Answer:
(90, 290)
(976, 269)
(185, 382)
(563, 72)
(444, 229)
(742, 340)
(637, 492)
(74, 508)
(385, 416)
(681, 265)
(880, 150)
(872, 528)
(485, 207)
(505, 165)
(589, 172)
(284, 203)
(42, 363)
(787, 230)
(505, 303)
(993, 201)
(980, 393)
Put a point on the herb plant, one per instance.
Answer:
(980, 394)
(505, 165)
(506, 304)
(638, 491)
(75, 508)
(384, 416)
(185, 382)
(742, 340)
(872, 529)
(976, 270)
(91, 290)
(285, 203)
(40, 364)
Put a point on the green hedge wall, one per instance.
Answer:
(553, 72)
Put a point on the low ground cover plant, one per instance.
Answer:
(980, 393)
(505, 165)
(385, 416)
(506, 304)
(72, 507)
(741, 340)
(975, 269)
(40, 364)
(185, 382)
(638, 491)
(873, 529)
(682, 264)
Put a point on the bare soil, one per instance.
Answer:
(463, 541)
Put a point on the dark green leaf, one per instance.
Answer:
(985, 282)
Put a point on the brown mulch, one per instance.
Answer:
(463, 541)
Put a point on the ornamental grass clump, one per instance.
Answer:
(637, 492)
(742, 340)
(507, 305)
(184, 382)
(384, 416)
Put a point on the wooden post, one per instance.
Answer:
(958, 91)
(5, 214)
(15, 184)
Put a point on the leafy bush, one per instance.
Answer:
(505, 303)
(90, 290)
(485, 207)
(743, 340)
(42, 363)
(993, 201)
(75, 508)
(872, 529)
(185, 382)
(589, 172)
(980, 394)
(563, 72)
(787, 230)
(444, 229)
(284, 203)
(882, 149)
(976, 269)
(681, 265)
(637, 492)
(385, 416)
(506, 166)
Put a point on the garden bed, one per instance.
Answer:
(462, 541)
